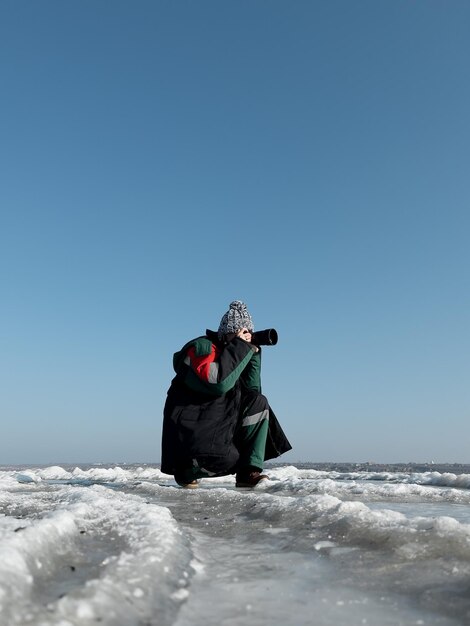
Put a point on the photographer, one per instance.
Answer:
(216, 421)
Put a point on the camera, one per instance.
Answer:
(266, 337)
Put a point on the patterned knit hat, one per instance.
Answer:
(236, 318)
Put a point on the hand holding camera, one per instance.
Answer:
(266, 337)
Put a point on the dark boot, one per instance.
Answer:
(249, 478)
(185, 480)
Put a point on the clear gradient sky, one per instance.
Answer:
(160, 158)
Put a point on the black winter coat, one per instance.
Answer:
(204, 405)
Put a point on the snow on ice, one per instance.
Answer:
(124, 546)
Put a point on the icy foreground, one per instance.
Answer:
(125, 546)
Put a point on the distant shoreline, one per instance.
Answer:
(454, 468)
(331, 466)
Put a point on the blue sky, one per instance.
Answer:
(160, 159)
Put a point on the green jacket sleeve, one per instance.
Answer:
(251, 375)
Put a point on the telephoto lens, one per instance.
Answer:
(266, 337)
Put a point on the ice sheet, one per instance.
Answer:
(124, 545)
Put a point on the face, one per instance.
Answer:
(243, 333)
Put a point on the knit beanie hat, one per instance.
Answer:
(236, 318)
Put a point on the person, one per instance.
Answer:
(215, 420)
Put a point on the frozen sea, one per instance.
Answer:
(122, 545)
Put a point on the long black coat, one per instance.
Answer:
(204, 405)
